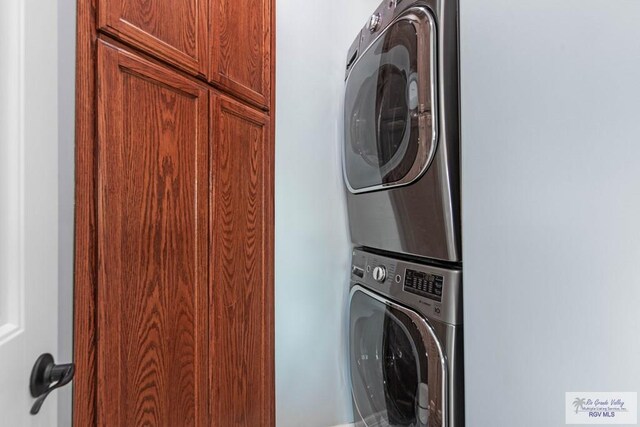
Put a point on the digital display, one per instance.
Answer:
(423, 284)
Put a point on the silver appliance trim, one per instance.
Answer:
(425, 156)
(426, 332)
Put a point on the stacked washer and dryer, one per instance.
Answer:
(401, 170)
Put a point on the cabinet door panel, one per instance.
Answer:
(152, 235)
(241, 48)
(241, 292)
(175, 31)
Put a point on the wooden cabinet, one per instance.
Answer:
(241, 293)
(228, 41)
(174, 280)
(153, 245)
(241, 45)
(175, 31)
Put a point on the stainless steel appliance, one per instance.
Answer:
(405, 338)
(401, 130)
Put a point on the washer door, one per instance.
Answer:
(398, 370)
(389, 123)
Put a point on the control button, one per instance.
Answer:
(374, 22)
(357, 271)
(379, 274)
(398, 278)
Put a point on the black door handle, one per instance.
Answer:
(44, 373)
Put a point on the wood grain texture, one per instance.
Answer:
(174, 31)
(241, 293)
(85, 260)
(152, 236)
(168, 327)
(241, 38)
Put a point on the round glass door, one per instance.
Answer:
(389, 131)
(397, 370)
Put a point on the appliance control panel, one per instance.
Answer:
(434, 290)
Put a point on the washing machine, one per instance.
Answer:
(405, 343)
(401, 131)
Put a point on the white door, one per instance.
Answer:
(28, 204)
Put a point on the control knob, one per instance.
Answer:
(379, 274)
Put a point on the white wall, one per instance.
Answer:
(312, 243)
(551, 205)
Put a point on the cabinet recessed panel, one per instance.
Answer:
(175, 31)
(152, 244)
(242, 283)
(241, 43)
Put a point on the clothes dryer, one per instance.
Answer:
(401, 131)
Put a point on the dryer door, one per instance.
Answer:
(398, 370)
(389, 111)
